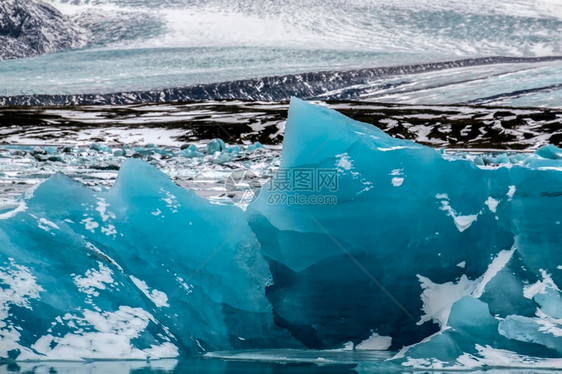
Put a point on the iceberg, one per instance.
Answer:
(421, 243)
(144, 270)
(359, 240)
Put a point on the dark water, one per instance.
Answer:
(232, 366)
(211, 366)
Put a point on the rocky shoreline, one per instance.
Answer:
(238, 122)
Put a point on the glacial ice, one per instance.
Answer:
(145, 270)
(421, 245)
(452, 259)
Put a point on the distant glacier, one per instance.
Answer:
(425, 52)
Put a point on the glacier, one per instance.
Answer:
(360, 241)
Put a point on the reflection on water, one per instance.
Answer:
(247, 362)
(192, 366)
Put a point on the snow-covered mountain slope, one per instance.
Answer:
(30, 28)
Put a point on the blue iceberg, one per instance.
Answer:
(360, 240)
(144, 270)
(415, 232)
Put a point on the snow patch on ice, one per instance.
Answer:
(17, 287)
(424, 363)
(344, 162)
(555, 168)
(486, 357)
(439, 298)
(111, 340)
(45, 224)
(398, 177)
(375, 342)
(90, 224)
(187, 287)
(548, 324)
(511, 192)
(109, 230)
(498, 263)
(492, 204)
(395, 148)
(397, 182)
(101, 207)
(494, 357)
(171, 200)
(22, 207)
(159, 298)
(94, 279)
(539, 287)
(462, 222)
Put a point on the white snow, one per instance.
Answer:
(511, 192)
(503, 358)
(439, 298)
(397, 182)
(488, 357)
(375, 342)
(540, 286)
(101, 207)
(462, 222)
(187, 287)
(498, 263)
(492, 204)
(549, 324)
(159, 298)
(112, 338)
(344, 162)
(171, 200)
(94, 279)
(109, 230)
(22, 207)
(395, 148)
(19, 286)
(554, 168)
(90, 224)
(45, 224)
(397, 177)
